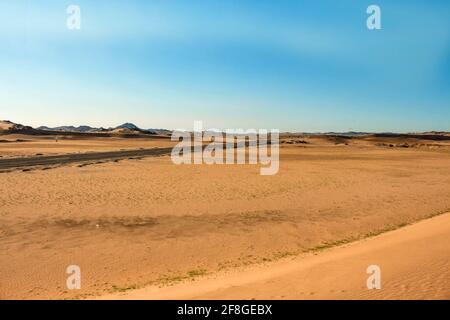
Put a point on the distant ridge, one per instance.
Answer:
(69, 128)
(6, 125)
(129, 126)
(126, 128)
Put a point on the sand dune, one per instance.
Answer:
(414, 263)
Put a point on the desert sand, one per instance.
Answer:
(140, 223)
(21, 145)
(337, 273)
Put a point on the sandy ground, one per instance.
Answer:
(82, 159)
(19, 145)
(145, 222)
(338, 273)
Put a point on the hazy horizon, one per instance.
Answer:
(208, 128)
(298, 66)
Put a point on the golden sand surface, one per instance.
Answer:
(138, 223)
(337, 273)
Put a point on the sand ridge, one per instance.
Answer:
(338, 273)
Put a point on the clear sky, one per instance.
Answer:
(291, 65)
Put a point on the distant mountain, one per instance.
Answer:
(348, 133)
(69, 129)
(126, 128)
(129, 126)
(6, 125)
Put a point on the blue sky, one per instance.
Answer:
(291, 65)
